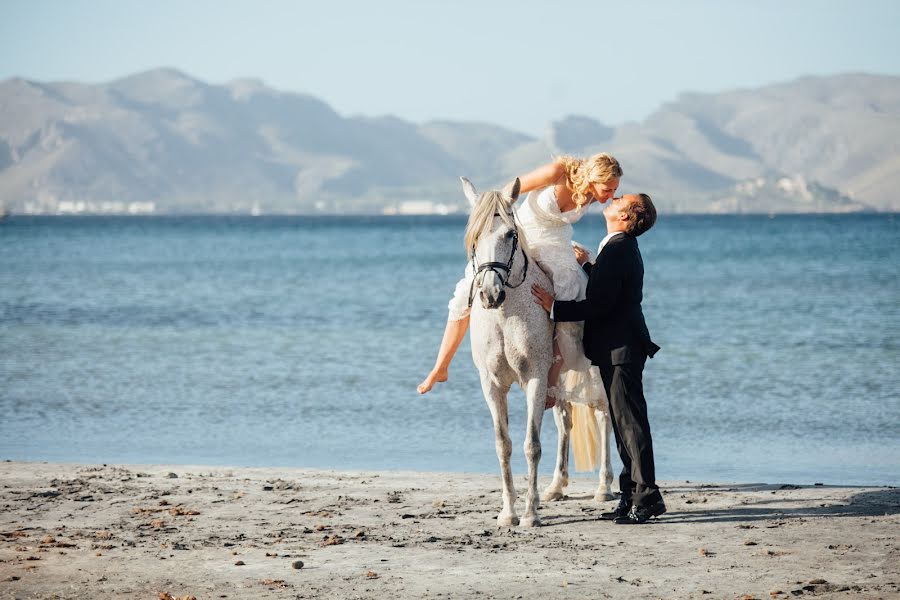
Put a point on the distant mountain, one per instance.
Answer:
(162, 141)
(841, 132)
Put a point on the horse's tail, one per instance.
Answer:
(585, 437)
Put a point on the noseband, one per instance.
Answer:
(494, 266)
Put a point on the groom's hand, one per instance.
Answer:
(542, 297)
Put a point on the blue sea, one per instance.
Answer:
(299, 341)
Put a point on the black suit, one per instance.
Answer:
(616, 339)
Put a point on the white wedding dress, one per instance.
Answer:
(548, 234)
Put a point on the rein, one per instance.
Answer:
(494, 266)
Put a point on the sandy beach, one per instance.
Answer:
(91, 531)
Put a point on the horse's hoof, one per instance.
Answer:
(534, 521)
(507, 520)
(604, 497)
(552, 496)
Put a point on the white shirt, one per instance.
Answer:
(608, 237)
(603, 242)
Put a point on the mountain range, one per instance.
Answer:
(164, 142)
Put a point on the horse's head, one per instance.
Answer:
(491, 240)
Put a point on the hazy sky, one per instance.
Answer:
(518, 63)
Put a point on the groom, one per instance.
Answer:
(617, 341)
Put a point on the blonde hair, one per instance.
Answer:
(581, 173)
(482, 217)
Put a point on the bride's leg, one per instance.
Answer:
(553, 376)
(453, 337)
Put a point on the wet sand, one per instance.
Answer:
(92, 531)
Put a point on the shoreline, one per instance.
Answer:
(546, 470)
(71, 530)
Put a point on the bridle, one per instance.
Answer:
(494, 266)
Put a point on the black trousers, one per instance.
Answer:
(628, 408)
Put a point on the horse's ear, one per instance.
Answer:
(512, 190)
(469, 191)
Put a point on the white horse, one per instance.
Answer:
(511, 335)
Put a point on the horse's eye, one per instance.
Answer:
(510, 234)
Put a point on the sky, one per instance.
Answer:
(519, 64)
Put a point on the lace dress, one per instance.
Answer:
(548, 233)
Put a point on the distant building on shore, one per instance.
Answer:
(82, 207)
(420, 207)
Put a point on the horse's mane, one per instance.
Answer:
(482, 217)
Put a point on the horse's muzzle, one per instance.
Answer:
(488, 302)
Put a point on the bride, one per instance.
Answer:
(560, 193)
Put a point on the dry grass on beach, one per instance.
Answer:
(73, 531)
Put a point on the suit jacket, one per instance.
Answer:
(614, 328)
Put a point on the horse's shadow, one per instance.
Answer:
(870, 502)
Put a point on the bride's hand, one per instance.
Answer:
(581, 255)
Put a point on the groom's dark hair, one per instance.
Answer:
(641, 215)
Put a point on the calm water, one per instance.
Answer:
(299, 342)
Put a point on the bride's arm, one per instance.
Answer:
(541, 177)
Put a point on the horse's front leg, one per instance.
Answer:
(562, 414)
(604, 424)
(535, 392)
(496, 400)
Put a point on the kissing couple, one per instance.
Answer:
(596, 310)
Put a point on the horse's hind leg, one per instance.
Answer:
(535, 397)
(604, 424)
(496, 400)
(562, 414)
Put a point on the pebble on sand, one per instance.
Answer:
(179, 511)
(297, 564)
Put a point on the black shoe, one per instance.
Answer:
(638, 515)
(619, 512)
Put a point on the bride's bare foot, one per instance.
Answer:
(436, 376)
